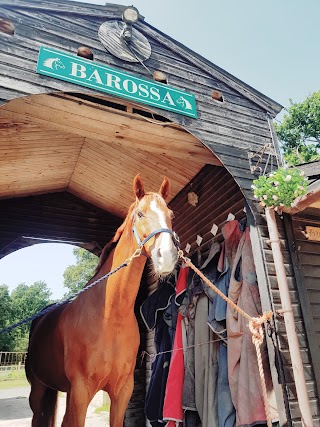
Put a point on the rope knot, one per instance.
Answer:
(257, 331)
(255, 326)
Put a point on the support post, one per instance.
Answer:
(294, 348)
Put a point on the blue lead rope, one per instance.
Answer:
(58, 304)
(137, 253)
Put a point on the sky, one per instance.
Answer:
(272, 46)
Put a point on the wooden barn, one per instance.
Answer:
(92, 95)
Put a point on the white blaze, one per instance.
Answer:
(166, 261)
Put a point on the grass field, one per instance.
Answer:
(13, 384)
(13, 378)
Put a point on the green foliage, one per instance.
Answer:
(77, 276)
(15, 373)
(280, 188)
(299, 132)
(26, 301)
(6, 317)
(23, 302)
(104, 408)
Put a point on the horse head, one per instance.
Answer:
(180, 100)
(58, 64)
(184, 103)
(152, 226)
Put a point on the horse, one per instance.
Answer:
(54, 63)
(91, 343)
(184, 103)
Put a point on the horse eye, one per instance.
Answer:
(140, 214)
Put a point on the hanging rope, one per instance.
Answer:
(255, 326)
(153, 356)
(257, 338)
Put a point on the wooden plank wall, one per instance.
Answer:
(237, 119)
(309, 257)
(281, 337)
(306, 260)
(218, 196)
(56, 216)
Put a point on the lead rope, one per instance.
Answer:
(255, 326)
(51, 307)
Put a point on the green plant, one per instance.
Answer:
(104, 408)
(299, 131)
(280, 188)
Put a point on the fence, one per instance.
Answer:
(12, 365)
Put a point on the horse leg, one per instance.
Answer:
(120, 402)
(43, 402)
(78, 400)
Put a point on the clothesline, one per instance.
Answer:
(154, 355)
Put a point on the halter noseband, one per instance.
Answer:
(141, 243)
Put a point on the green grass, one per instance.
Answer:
(4, 385)
(13, 378)
(104, 408)
(13, 374)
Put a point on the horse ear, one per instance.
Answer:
(165, 188)
(138, 187)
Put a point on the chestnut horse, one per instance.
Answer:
(91, 344)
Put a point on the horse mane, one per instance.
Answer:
(113, 242)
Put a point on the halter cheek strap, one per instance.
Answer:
(141, 243)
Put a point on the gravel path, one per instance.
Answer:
(15, 410)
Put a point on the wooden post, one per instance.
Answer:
(300, 383)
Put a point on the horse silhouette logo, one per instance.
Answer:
(184, 103)
(54, 63)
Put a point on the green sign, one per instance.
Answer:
(83, 72)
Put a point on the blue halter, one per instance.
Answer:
(141, 243)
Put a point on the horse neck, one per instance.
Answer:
(123, 286)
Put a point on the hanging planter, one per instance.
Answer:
(280, 188)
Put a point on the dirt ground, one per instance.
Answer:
(15, 410)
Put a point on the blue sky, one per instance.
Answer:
(272, 46)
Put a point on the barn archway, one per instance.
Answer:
(68, 161)
(69, 164)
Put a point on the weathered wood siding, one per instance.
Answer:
(306, 266)
(218, 195)
(229, 129)
(285, 372)
(308, 252)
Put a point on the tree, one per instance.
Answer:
(26, 301)
(6, 317)
(76, 276)
(299, 132)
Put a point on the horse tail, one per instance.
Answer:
(49, 406)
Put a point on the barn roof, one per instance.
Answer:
(113, 11)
